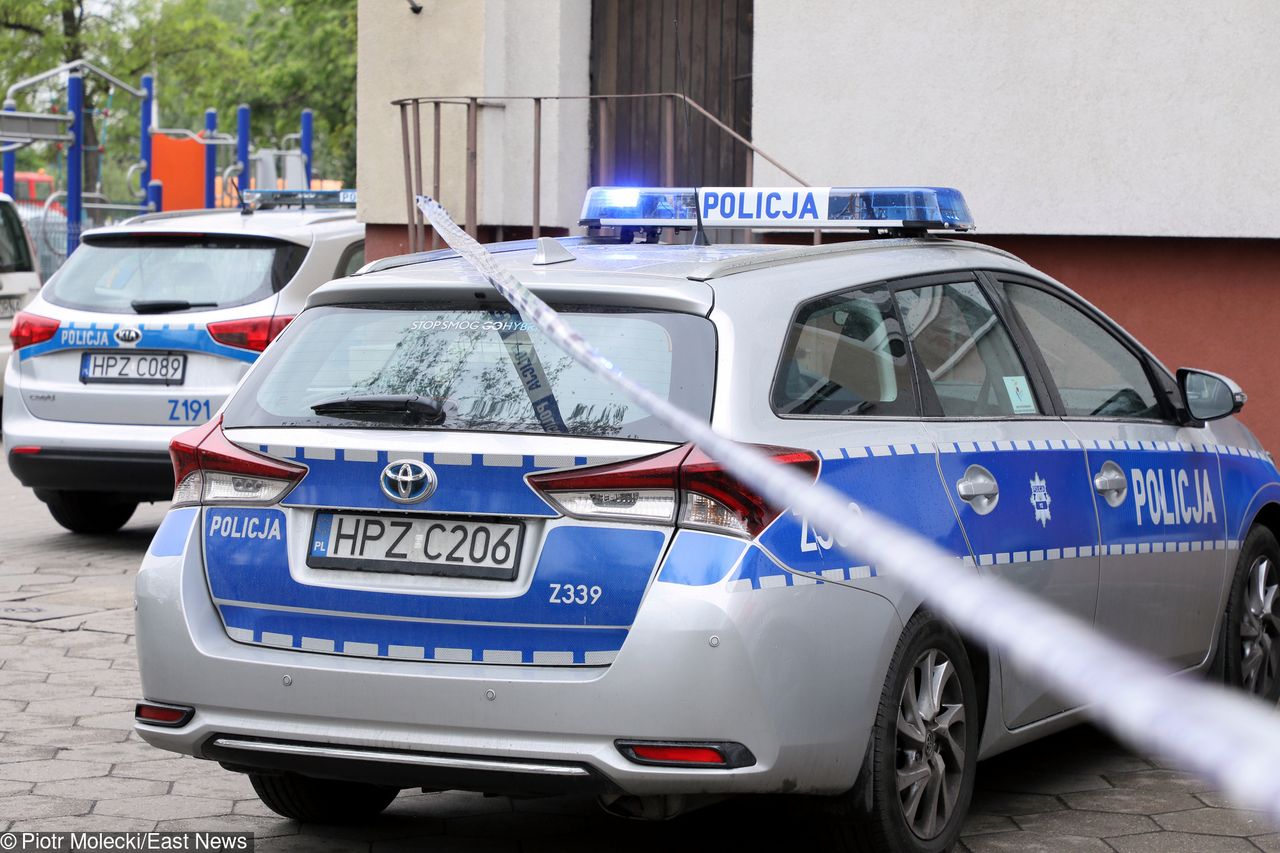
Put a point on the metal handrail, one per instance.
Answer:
(411, 125)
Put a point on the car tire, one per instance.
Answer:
(328, 801)
(938, 746)
(1251, 627)
(89, 512)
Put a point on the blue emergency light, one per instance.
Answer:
(256, 199)
(902, 208)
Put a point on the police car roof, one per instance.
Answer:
(663, 276)
(296, 225)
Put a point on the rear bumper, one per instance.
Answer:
(110, 458)
(794, 675)
(144, 475)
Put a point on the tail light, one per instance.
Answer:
(28, 329)
(721, 754)
(683, 485)
(209, 469)
(253, 333)
(170, 716)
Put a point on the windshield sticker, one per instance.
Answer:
(1020, 395)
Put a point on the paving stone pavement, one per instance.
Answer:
(69, 759)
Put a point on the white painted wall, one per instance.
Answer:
(468, 47)
(1122, 117)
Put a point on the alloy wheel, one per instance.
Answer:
(930, 751)
(1260, 631)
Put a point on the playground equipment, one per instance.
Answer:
(176, 169)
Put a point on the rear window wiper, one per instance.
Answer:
(411, 409)
(166, 306)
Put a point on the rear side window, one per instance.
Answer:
(966, 351)
(491, 371)
(14, 256)
(845, 356)
(148, 273)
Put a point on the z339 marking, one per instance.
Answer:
(571, 593)
(188, 411)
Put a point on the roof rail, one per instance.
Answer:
(397, 261)
(785, 254)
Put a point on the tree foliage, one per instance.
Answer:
(278, 56)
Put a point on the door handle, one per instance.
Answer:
(979, 489)
(1111, 483)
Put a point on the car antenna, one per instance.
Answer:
(682, 83)
(245, 210)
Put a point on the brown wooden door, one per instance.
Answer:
(633, 51)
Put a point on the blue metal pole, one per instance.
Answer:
(10, 159)
(148, 102)
(210, 156)
(242, 145)
(308, 130)
(155, 196)
(75, 160)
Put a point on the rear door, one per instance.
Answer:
(423, 537)
(155, 329)
(1156, 484)
(1015, 472)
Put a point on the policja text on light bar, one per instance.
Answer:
(919, 208)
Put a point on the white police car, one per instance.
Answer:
(422, 547)
(19, 273)
(144, 331)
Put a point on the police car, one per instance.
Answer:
(142, 334)
(423, 548)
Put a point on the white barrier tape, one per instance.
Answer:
(1229, 739)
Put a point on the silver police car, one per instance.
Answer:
(421, 547)
(144, 331)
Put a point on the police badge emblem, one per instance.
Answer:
(1040, 500)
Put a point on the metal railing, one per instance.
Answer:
(411, 149)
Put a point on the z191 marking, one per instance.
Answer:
(187, 411)
(570, 593)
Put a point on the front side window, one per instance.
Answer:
(845, 356)
(1097, 375)
(969, 358)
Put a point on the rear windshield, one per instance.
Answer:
(491, 371)
(135, 273)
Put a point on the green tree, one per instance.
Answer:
(276, 56)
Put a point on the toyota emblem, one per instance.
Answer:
(408, 481)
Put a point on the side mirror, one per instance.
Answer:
(1209, 396)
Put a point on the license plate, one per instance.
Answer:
(159, 368)
(417, 545)
(9, 306)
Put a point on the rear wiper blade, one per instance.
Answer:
(413, 408)
(166, 306)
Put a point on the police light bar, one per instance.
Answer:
(916, 208)
(299, 198)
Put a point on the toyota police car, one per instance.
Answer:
(143, 332)
(421, 547)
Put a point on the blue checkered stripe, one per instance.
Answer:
(757, 568)
(188, 337)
